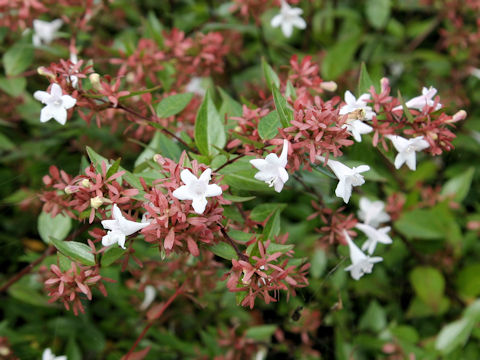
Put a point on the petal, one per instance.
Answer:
(283, 156)
(206, 176)
(183, 193)
(56, 90)
(399, 142)
(213, 190)
(278, 185)
(344, 190)
(260, 164)
(117, 213)
(339, 169)
(298, 22)
(68, 101)
(276, 21)
(411, 160)
(350, 98)
(46, 114)
(187, 177)
(128, 227)
(108, 239)
(59, 114)
(199, 203)
(287, 29)
(110, 224)
(361, 127)
(362, 169)
(264, 176)
(56, 24)
(42, 96)
(399, 160)
(283, 174)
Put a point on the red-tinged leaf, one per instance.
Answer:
(169, 240)
(192, 246)
(138, 355)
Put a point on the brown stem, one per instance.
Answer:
(152, 321)
(240, 254)
(49, 251)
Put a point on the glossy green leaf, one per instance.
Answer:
(261, 212)
(378, 12)
(13, 86)
(224, 250)
(271, 76)
(268, 125)
(459, 186)
(428, 284)
(260, 333)
(57, 227)
(75, 250)
(17, 59)
(112, 254)
(364, 82)
(284, 112)
(173, 104)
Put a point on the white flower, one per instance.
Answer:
(406, 150)
(73, 78)
(357, 128)
(361, 263)
(45, 32)
(195, 86)
(372, 212)
(56, 103)
(272, 168)
(475, 72)
(150, 294)
(353, 105)
(421, 101)
(49, 355)
(288, 18)
(197, 190)
(119, 228)
(374, 236)
(347, 177)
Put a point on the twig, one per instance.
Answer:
(240, 255)
(152, 321)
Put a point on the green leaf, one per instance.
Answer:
(6, 143)
(17, 59)
(454, 335)
(272, 227)
(318, 263)
(96, 159)
(230, 107)
(112, 254)
(271, 76)
(13, 86)
(365, 81)
(22, 292)
(159, 144)
(209, 130)
(428, 224)
(57, 227)
(73, 350)
(261, 212)
(429, 285)
(172, 105)
(224, 250)
(113, 168)
(261, 333)
(340, 56)
(284, 112)
(468, 281)
(75, 250)
(378, 12)
(374, 318)
(268, 125)
(235, 198)
(283, 248)
(459, 186)
(406, 110)
(244, 180)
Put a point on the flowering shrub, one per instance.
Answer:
(253, 179)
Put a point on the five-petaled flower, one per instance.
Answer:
(348, 177)
(119, 228)
(197, 189)
(49, 355)
(406, 150)
(45, 32)
(357, 111)
(419, 102)
(374, 236)
(56, 104)
(372, 212)
(361, 263)
(288, 18)
(272, 168)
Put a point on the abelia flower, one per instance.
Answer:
(357, 128)
(197, 189)
(119, 228)
(348, 177)
(361, 263)
(374, 236)
(353, 105)
(419, 102)
(56, 103)
(406, 150)
(288, 18)
(45, 32)
(272, 168)
(372, 212)
(49, 355)
(150, 293)
(196, 86)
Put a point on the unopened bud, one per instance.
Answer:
(157, 157)
(432, 135)
(459, 116)
(329, 86)
(96, 202)
(384, 83)
(70, 189)
(237, 129)
(86, 183)
(95, 81)
(45, 72)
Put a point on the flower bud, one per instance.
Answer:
(95, 81)
(156, 157)
(45, 72)
(70, 189)
(237, 129)
(96, 202)
(329, 86)
(86, 183)
(459, 116)
(384, 83)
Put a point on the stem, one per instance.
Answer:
(231, 161)
(152, 321)
(240, 255)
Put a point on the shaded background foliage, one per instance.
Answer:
(420, 301)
